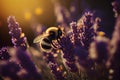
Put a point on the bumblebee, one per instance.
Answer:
(46, 40)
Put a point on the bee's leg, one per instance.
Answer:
(58, 40)
(60, 48)
(54, 45)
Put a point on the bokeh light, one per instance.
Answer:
(27, 15)
(24, 10)
(17, 7)
(38, 11)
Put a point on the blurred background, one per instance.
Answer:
(33, 13)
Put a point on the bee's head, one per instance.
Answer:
(54, 33)
(59, 33)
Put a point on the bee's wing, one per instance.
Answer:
(38, 39)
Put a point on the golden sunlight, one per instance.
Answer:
(27, 15)
(21, 8)
(38, 11)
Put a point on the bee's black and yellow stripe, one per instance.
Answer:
(45, 44)
(45, 41)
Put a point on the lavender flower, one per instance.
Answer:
(88, 30)
(10, 70)
(4, 54)
(55, 69)
(68, 53)
(18, 38)
(99, 50)
(49, 58)
(76, 34)
(116, 7)
(62, 14)
(83, 34)
(85, 52)
(19, 41)
(99, 53)
(74, 9)
(115, 50)
(27, 64)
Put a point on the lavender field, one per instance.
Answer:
(83, 52)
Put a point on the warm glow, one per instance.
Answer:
(27, 15)
(93, 52)
(101, 33)
(22, 35)
(38, 11)
(21, 9)
(111, 71)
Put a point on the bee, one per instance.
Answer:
(46, 40)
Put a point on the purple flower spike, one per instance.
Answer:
(18, 38)
(62, 14)
(88, 30)
(115, 50)
(50, 59)
(76, 34)
(4, 55)
(88, 19)
(99, 50)
(27, 64)
(10, 70)
(56, 71)
(116, 7)
(68, 53)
